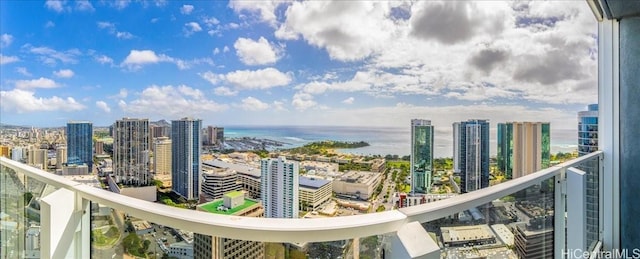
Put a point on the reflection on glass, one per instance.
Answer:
(20, 214)
(519, 225)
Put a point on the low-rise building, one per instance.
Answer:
(181, 250)
(233, 203)
(217, 181)
(313, 192)
(467, 236)
(402, 200)
(357, 184)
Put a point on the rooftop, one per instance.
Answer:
(234, 194)
(314, 183)
(212, 207)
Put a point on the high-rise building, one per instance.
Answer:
(18, 153)
(99, 147)
(279, 186)
(37, 157)
(232, 203)
(215, 135)
(4, 151)
(587, 143)
(158, 131)
(421, 155)
(523, 148)
(80, 143)
(162, 160)
(61, 156)
(473, 154)
(131, 151)
(185, 157)
(588, 130)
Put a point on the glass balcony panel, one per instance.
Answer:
(20, 197)
(519, 225)
(592, 209)
(114, 234)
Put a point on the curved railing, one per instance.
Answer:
(293, 230)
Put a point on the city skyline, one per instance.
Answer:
(255, 64)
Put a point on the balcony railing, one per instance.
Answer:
(49, 216)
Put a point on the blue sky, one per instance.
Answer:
(296, 63)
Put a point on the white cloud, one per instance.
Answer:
(120, 4)
(49, 24)
(5, 40)
(303, 101)
(23, 71)
(111, 28)
(24, 101)
(211, 77)
(138, 58)
(258, 79)
(224, 91)
(8, 59)
(51, 57)
(181, 101)
(124, 35)
(191, 28)
(216, 51)
(64, 73)
(264, 10)
(84, 5)
(225, 49)
(210, 21)
(253, 104)
(55, 5)
(348, 30)
(36, 83)
(348, 100)
(103, 106)
(123, 93)
(103, 59)
(249, 79)
(259, 52)
(186, 9)
(279, 106)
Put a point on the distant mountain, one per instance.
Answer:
(8, 126)
(160, 123)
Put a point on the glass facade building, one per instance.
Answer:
(473, 154)
(523, 148)
(185, 157)
(587, 143)
(421, 155)
(80, 143)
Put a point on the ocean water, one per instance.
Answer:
(382, 140)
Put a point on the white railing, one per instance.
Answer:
(287, 230)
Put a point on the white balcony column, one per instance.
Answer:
(609, 132)
(412, 241)
(65, 226)
(576, 194)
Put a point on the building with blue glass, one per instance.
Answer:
(421, 155)
(80, 143)
(587, 143)
(472, 152)
(185, 157)
(588, 130)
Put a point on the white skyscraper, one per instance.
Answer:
(279, 186)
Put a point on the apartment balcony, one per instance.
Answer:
(542, 214)
(571, 210)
